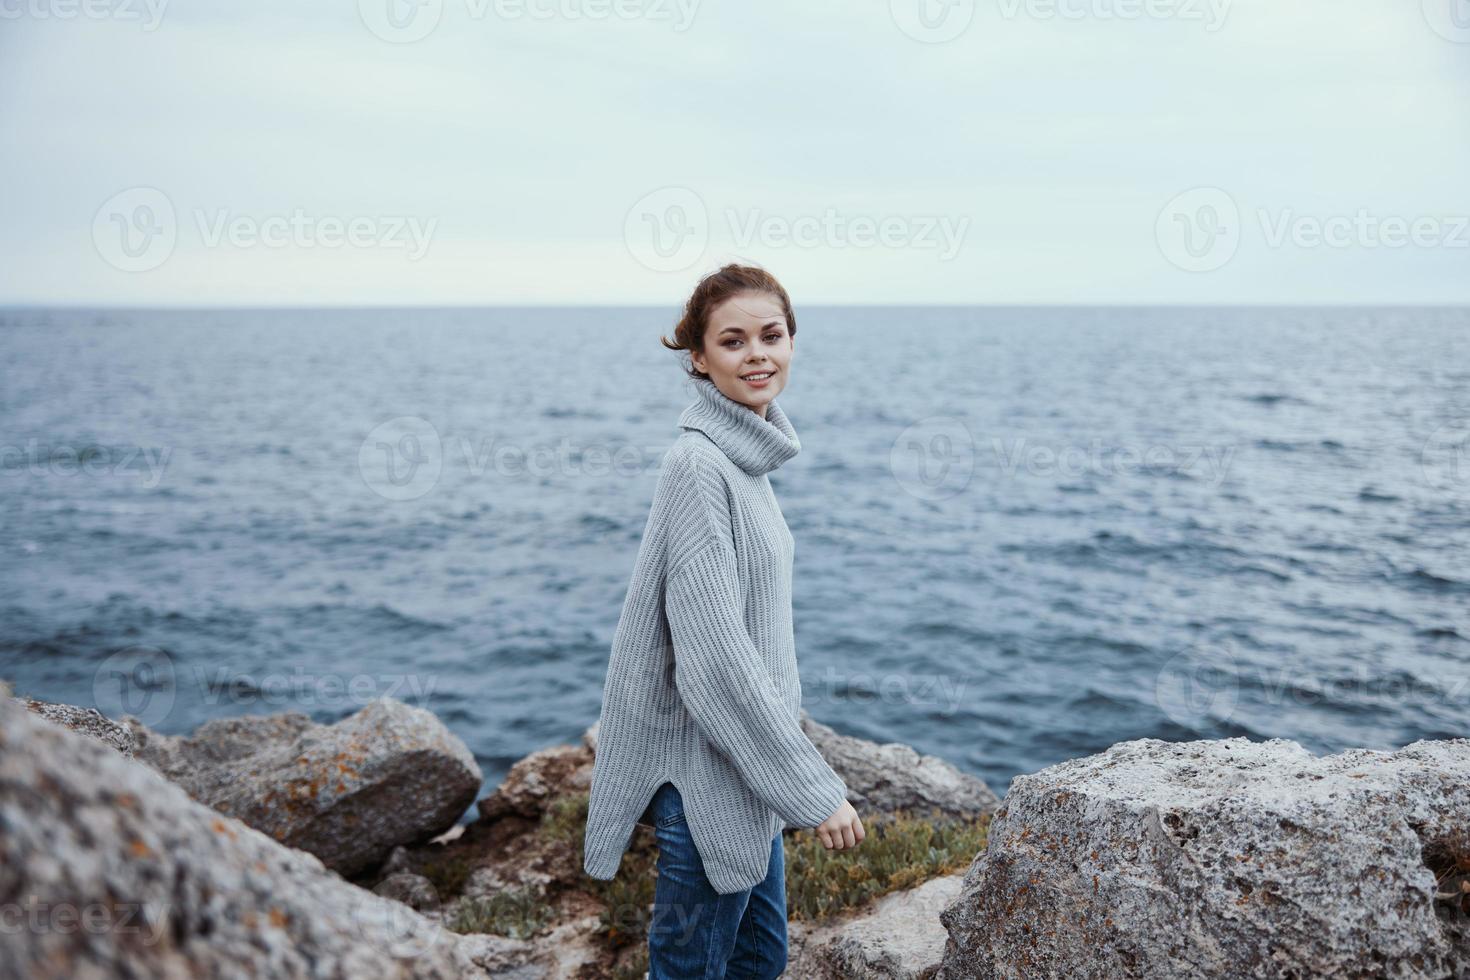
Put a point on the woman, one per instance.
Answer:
(699, 734)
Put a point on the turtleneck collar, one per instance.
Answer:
(756, 445)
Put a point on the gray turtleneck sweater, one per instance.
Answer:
(701, 688)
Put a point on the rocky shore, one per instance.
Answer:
(274, 846)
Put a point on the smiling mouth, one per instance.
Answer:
(757, 376)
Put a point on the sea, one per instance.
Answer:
(1022, 534)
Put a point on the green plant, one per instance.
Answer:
(636, 967)
(626, 899)
(519, 914)
(899, 851)
(565, 820)
(447, 874)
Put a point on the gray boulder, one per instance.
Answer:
(889, 776)
(85, 721)
(387, 775)
(899, 937)
(113, 871)
(1225, 858)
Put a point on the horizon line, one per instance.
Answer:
(70, 307)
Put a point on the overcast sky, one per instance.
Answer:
(459, 152)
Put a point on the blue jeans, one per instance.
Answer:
(697, 933)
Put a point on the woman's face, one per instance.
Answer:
(747, 335)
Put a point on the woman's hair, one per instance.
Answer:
(714, 289)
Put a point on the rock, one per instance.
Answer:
(415, 891)
(86, 721)
(389, 774)
(116, 872)
(538, 779)
(899, 938)
(1222, 858)
(890, 776)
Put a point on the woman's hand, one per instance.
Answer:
(841, 830)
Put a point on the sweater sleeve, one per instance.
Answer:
(728, 691)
